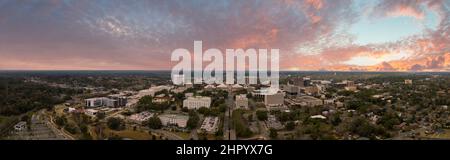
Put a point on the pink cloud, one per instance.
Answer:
(406, 11)
(317, 4)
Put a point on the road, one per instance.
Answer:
(54, 127)
(168, 135)
(194, 134)
(116, 113)
(229, 133)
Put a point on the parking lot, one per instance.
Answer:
(39, 129)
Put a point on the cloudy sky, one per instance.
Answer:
(372, 35)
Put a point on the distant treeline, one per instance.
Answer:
(13, 73)
(18, 96)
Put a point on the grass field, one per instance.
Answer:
(135, 135)
(445, 135)
(2, 119)
(184, 135)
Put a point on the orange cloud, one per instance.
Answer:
(317, 4)
(406, 11)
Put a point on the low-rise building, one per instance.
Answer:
(179, 89)
(408, 81)
(95, 102)
(350, 88)
(209, 87)
(329, 101)
(339, 104)
(242, 101)
(249, 88)
(91, 112)
(318, 117)
(305, 101)
(311, 90)
(291, 90)
(152, 90)
(223, 86)
(69, 110)
(197, 102)
(298, 81)
(187, 95)
(112, 101)
(261, 93)
(161, 98)
(272, 122)
(189, 85)
(210, 125)
(140, 118)
(120, 100)
(237, 87)
(274, 100)
(174, 120)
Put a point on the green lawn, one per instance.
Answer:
(1, 119)
(183, 135)
(5, 122)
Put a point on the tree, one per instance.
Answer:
(193, 120)
(273, 133)
(389, 120)
(290, 126)
(204, 111)
(145, 103)
(154, 123)
(71, 128)
(100, 115)
(363, 128)
(115, 138)
(284, 116)
(86, 136)
(19, 97)
(250, 118)
(84, 128)
(67, 97)
(240, 124)
(335, 120)
(261, 115)
(222, 108)
(61, 121)
(115, 124)
(25, 118)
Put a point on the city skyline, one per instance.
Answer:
(312, 35)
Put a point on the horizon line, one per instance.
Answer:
(164, 70)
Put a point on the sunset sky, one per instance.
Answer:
(346, 35)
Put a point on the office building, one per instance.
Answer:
(242, 101)
(291, 90)
(408, 81)
(197, 102)
(174, 120)
(112, 101)
(273, 100)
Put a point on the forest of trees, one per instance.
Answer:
(20, 97)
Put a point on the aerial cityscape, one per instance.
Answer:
(111, 70)
(145, 105)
